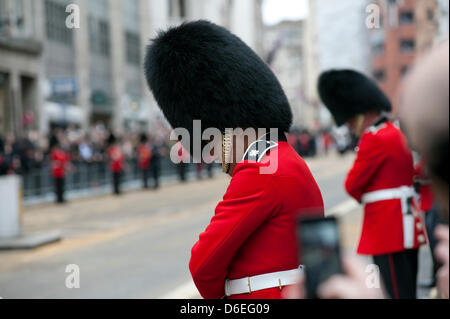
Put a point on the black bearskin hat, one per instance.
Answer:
(111, 139)
(347, 93)
(143, 138)
(53, 142)
(201, 71)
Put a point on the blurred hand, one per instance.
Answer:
(351, 285)
(296, 291)
(442, 255)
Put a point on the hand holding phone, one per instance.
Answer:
(319, 251)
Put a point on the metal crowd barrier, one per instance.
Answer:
(88, 179)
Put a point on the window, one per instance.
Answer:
(12, 19)
(406, 17)
(177, 8)
(404, 70)
(55, 24)
(133, 48)
(407, 45)
(131, 16)
(99, 36)
(379, 48)
(182, 8)
(430, 14)
(379, 75)
(4, 18)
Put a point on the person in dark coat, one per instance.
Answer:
(155, 163)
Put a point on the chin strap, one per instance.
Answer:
(359, 125)
(226, 150)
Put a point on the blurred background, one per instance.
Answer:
(80, 85)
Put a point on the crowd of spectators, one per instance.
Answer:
(20, 155)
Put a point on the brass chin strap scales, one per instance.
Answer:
(359, 125)
(226, 150)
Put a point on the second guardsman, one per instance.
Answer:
(381, 178)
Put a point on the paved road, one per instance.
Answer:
(137, 245)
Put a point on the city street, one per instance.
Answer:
(138, 245)
(102, 101)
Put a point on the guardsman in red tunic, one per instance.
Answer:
(116, 162)
(423, 187)
(200, 71)
(144, 155)
(58, 161)
(182, 160)
(426, 201)
(381, 179)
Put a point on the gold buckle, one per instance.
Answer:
(249, 286)
(279, 282)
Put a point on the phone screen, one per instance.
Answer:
(319, 251)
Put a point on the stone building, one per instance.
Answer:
(336, 37)
(21, 43)
(408, 29)
(285, 55)
(443, 18)
(54, 75)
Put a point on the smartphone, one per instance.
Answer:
(319, 246)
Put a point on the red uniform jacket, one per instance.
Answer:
(59, 160)
(144, 156)
(116, 158)
(253, 231)
(384, 162)
(426, 196)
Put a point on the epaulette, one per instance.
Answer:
(258, 149)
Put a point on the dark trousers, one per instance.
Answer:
(144, 172)
(432, 220)
(116, 182)
(399, 273)
(59, 189)
(182, 171)
(156, 173)
(209, 168)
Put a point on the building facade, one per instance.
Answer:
(285, 55)
(242, 17)
(53, 73)
(336, 37)
(94, 73)
(21, 43)
(408, 29)
(443, 18)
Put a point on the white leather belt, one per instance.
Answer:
(404, 193)
(261, 282)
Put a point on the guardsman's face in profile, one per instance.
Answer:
(352, 124)
(361, 122)
(356, 124)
